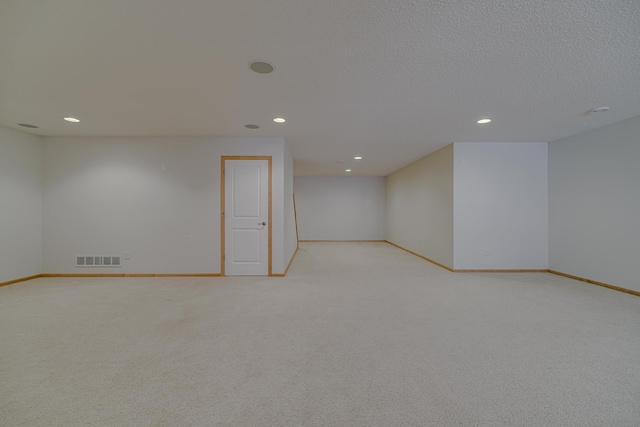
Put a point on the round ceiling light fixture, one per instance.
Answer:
(357, 158)
(347, 170)
(279, 120)
(251, 126)
(599, 110)
(71, 119)
(484, 121)
(27, 125)
(261, 67)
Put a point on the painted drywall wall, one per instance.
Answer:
(21, 205)
(290, 238)
(340, 208)
(419, 208)
(500, 205)
(594, 204)
(155, 201)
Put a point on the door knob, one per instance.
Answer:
(262, 223)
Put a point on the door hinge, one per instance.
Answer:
(223, 214)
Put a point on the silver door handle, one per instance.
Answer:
(262, 223)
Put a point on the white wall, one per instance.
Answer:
(157, 198)
(420, 207)
(500, 205)
(20, 205)
(340, 208)
(594, 204)
(290, 238)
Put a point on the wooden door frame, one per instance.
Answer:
(222, 209)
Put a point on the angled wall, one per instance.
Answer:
(419, 207)
(21, 205)
(594, 204)
(290, 237)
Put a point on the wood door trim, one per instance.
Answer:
(222, 209)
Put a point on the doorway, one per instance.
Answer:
(245, 206)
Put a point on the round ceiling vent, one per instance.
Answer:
(261, 67)
(599, 110)
(251, 126)
(27, 125)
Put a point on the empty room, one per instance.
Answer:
(307, 213)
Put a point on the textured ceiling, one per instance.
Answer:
(389, 80)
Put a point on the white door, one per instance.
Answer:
(246, 217)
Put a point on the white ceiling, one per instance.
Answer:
(391, 80)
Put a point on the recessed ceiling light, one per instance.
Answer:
(347, 170)
(357, 158)
(484, 121)
(261, 67)
(27, 125)
(279, 120)
(251, 126)
(599, 110)
(71, 119)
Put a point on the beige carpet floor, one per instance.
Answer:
(358, 334)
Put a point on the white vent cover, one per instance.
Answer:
(98, 261)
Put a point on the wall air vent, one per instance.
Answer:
(98, 261)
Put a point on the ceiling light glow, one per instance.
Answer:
(357, 158)
(347, 170)
(484, 121)
(71, 119)
(279, 120)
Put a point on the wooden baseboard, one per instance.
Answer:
(82, 275)
(420, 256)
(287, 269)
(335, 241)
(570, 276)
(595, 282)
(290, 262)
(558, 273)
(23, 279)
(516, 270)
(131, 275)
(182, 275)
